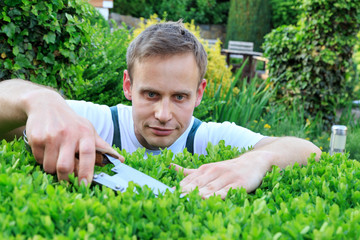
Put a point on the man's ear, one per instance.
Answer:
(127, 85)
(200, 92)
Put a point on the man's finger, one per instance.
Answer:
(37, 149)
(86, 160)
(50, 158)
(222, 192)
(186, 171)
(66, 161)
(38, 153)
(105, 148)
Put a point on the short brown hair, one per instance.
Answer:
(164, 39)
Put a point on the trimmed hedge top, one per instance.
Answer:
(320, 200)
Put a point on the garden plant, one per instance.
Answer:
(320, 200)
(312, 61)
(67, 45)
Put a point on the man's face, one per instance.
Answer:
(164, 93)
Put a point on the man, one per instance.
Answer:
(164, 81)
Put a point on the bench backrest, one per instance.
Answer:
(241, 46)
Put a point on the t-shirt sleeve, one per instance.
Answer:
(98, 115)
(232, 134)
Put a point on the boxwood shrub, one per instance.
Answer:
(317, 201)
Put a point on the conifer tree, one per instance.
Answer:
(249, 21)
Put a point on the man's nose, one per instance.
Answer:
(163, 111)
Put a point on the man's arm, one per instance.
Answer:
(247, 170)
(55, 132)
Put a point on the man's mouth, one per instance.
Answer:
(160, 131)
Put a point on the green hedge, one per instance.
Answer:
(310, 62)
(65, 44)
(43, 41)
(318, 201)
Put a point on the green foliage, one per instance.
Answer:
(320, 200)
(247, 105)
(201, 11)
(43, 41)
(249, 21)
(102, 69)
(64, 44)
(309, 62)
(352, 142)
(284, 12)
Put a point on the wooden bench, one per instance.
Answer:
(240, 46)
(245, 51)
(264, 72)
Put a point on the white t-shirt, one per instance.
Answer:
(100, 116)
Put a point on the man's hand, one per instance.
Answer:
(55, 132)
(54, 144)
(246, 171)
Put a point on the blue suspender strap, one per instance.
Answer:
(115, 119)
(191, 136)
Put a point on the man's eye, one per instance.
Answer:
(151, 94)
(179, 97)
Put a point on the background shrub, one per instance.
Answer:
(284, 12)
(201, 11)
(352, 142)
(43, 41)
(64, 44)
(249, 21)
(309, 62)
(102, 68)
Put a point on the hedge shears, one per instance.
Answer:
(123, 173)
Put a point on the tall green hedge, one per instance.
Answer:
(249, 21)
(201, 11)
(65, 44)
(317, 201)
(43, 41)
(310, 62)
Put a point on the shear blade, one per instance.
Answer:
(125, 174)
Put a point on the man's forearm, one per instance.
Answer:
(284, 151)
(17, 97)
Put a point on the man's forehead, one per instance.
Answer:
(139, 62)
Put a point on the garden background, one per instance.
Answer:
(314, 65)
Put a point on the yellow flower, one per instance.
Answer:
(328, 139)
(3, 55)
(255, 121)
(267, 126)
(321, 148)
(307, 139)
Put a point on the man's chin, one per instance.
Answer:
(156, 144)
